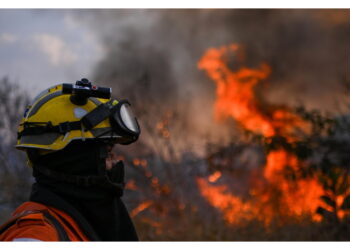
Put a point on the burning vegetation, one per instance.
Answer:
(280, 191)
(236, 98)
(297, 182)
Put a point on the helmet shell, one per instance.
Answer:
(53, 106)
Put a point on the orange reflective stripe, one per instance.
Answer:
(73, 230)
(31, 219)
(29, 222)
(29, 228)
(35, 216)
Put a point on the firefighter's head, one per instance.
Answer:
(70, 117)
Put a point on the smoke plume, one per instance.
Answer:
(151, 58)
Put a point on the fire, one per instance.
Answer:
(163, 125)
(131, 185)
(139, 162)
(215, 176)
(141, 207)
(233, 208)
(235, 89)
(236, 98)
(299, 197)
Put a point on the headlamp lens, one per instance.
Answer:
(128, 118)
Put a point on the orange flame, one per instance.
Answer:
(236, 98)
(235, 95)
(141, 207)
(299, 197)
(233, 208)
(163, 125)
(215, 176)
(131, 185)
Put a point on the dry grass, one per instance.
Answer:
(192, 227)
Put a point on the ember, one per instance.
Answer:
(141, 207)
(131, 185)
(233, 208)
(215, 176)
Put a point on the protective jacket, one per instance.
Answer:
(84, 211)
(49, 216)
(33, 221)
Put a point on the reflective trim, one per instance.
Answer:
(43, 139)
(48, 147)
(95, 101)
(44, 92)
(25, 239)
(79, 112)
(104, 133)
(50, 138)
(44, 100)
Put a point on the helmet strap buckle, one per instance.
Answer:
(64, 127)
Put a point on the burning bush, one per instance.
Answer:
(284, 177)
(302, 175)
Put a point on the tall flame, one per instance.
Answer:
(235, 95)
(236, 98)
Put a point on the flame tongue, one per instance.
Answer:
(236, 98)
(235, 95)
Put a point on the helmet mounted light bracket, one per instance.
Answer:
(83, 89)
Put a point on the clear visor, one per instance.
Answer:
(128, 118)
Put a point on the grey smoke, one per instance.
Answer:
(151, 57)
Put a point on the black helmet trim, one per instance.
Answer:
(47, 98)
(97, 115)
(44, 100)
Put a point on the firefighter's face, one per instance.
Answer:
(111, 159)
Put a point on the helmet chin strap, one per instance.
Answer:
(101, 162)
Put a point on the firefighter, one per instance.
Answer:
(68, 133)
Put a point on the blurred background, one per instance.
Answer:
(244, 113)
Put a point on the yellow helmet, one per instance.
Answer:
(79, 111)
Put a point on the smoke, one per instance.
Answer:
(151, 58)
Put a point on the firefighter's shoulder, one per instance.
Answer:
(35, 221)
(28, 225)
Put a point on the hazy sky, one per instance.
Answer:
(307, 49)
(40, 48)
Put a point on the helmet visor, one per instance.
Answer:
(128, 118)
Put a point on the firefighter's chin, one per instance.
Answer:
(110, 161)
